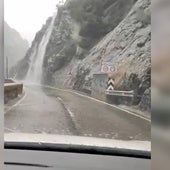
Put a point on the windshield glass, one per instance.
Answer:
(78, 68)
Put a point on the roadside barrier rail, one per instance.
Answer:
(12, 90)
(120, 93)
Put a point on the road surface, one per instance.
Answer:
(62, 112)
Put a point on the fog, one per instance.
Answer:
(27, 16)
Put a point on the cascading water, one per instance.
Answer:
(35, 71)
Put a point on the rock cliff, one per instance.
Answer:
(86, 33)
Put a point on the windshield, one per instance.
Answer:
(78, 68)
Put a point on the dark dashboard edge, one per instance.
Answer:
(81, 149)
(26, 164)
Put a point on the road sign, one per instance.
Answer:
(110, 85)
(107, 67)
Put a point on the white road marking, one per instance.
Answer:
(60, 99)
(16, 104)
(91, 98)
(11, 130)
(66, 107)
(70, 113)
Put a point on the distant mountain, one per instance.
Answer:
(15, 45)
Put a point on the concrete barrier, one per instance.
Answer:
(99, 86)
(12, 90)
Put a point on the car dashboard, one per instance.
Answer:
(37, 152)
(40, 160)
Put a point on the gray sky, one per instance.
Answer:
(27, 16)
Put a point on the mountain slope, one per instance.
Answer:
(127, 47)
(85, 33)
(72, 36)
(15, 45)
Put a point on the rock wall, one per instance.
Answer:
(88, 32)
(99, 86)
(127, 47)
(145, 103)
(78, 27)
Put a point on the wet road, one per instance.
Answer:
(64, 112)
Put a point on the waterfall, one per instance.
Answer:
(35, 70)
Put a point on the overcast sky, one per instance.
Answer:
(27, 16)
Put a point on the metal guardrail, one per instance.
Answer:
(120, 93)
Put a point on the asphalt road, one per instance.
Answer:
(62, 112)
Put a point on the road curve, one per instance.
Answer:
(62, 112)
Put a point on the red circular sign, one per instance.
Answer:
(105, 68)
(112, 69)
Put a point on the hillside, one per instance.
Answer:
(15, 45)
(85, 33)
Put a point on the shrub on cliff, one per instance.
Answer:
(76, 9)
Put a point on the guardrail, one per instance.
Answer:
(12, 90)
(120, 93)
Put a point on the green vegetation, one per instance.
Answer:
(89, 14)
(97, 17)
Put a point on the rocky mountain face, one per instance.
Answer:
(15, 45)
(85, 33)
(79, 26)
